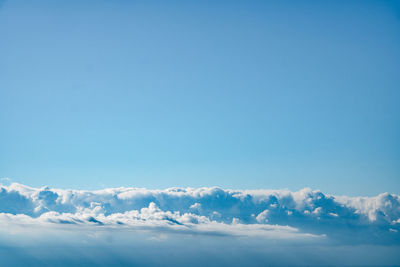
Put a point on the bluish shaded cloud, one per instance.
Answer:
(369, 219)
(200, 226)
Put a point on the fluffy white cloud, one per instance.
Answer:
(303, 212)
(246, 227)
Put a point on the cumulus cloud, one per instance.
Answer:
(303, 217)
(307, 210)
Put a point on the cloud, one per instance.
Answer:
(253, 222)
(307, 211)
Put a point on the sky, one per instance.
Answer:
(235, 94)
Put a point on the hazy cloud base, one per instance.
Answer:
(196, 227)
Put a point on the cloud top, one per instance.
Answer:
(271, 213)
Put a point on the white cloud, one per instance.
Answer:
(262, 217)
(246, 227)
(309, 212)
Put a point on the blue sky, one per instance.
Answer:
(237, 94)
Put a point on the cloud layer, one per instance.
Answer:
(187, 209)
(253, 222)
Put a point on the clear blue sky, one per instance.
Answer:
(238, 94)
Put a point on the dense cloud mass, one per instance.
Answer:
(251, 220)
(306, 210)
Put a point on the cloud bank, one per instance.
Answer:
(250, 227)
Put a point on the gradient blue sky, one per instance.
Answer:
(238, 94)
